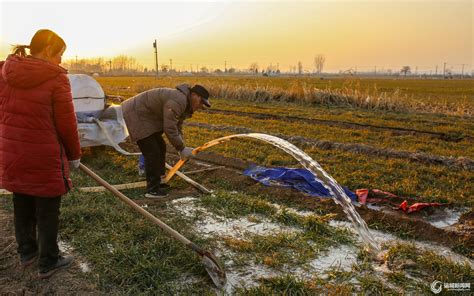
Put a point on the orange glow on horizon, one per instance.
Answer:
(350, 34)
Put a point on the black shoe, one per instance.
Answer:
(62, 263)
(164, 186)
(27, 260)
(155, 194)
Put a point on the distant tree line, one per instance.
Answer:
(116, 65)
(127, 65)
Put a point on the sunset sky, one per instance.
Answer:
(362, 34)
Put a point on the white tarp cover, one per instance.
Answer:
(88, 96)
(111, 122)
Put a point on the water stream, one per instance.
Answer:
(334, 188)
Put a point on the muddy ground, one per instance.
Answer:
(16, 280)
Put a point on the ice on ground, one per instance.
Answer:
(341, 258)
(211, 223)
(382, 237)
(84, 267)
(246, 277)
(445, 218)
(110, 248)
(291, 210)
(64, 247)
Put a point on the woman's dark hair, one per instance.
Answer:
(40, 40)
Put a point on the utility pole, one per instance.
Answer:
(462, 71)
(436, 72)
(171, 65)
(76, 63)
(155, 46)
(444, 70)
(225, 66)
(110, 65)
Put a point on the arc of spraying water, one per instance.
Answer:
(315, 168)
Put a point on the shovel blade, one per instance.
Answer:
(214, 269)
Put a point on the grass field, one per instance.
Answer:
(277, 241)
(424, 89)
(453, 97)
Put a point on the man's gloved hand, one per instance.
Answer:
(74, 163)
(186, 153)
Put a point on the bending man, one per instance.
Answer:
(159, 110)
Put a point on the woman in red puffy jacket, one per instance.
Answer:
(39, 142)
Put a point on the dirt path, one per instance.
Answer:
(16, 280)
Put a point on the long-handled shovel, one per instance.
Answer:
(212, 266)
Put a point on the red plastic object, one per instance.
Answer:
(362, 195)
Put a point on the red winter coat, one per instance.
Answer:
(38, 129)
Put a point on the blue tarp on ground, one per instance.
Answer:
(300, 179)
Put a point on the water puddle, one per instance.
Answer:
(445, 217)
(439, 217)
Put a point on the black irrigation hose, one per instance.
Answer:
(440, 135)
(459, 162)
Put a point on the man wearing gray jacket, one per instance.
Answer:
(159, 110)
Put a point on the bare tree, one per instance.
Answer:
(300, 68)
(272, 68)
(319, 61)
(254, 68)
(405, 70)
(164, 68)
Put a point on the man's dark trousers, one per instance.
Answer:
(42, 212)
(154, 151)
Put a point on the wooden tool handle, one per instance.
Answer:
(136, 207)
